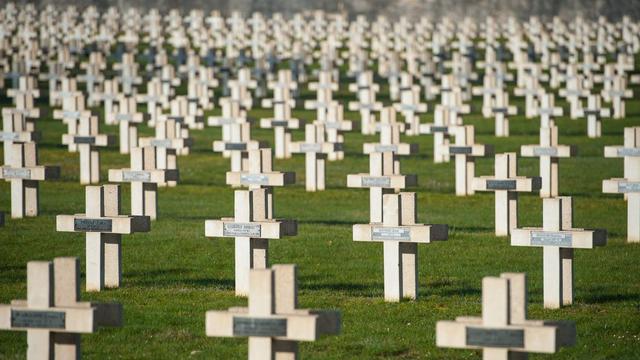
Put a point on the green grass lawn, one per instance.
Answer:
(173, 274)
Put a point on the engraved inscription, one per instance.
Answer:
(629, 187)
(259, 327)
(84, 140)
(241, 230)
(629, 152)
(384, 148)
(376, 181)
(135, 175)
(442, 129)
(161, 143)
(16, 173)
(460, 150)
(547, 238)
(124, 117)
(390, 233)
(545, 151)
(306, 147)
(254, 179)
(92, 225)
(235, 146)
(37, 319)
(501, 184)
(8, 136)
(495, 338)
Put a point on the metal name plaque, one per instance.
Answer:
(547, 238)
(37, 319)
(241, 230)
(460, 150)
(495, 338)
(501, 184)
(16, 173)
(385, 148)
(629, 187)
(124, 117)
(545, 151)
(502, 110)
(9, 136)
(442, 129)
(306, 147)
(70, 114)
(136, 175)
(84, 140)
(254, 179)
(161, 143)
(283, 123)
(259, 327)
(376, 181)
(235, 146)
(390, 233)
(92, 225)
(629, 152)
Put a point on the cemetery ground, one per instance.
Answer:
(173, 274)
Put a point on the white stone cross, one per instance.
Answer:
(104, 226)
(629, 185)
(53, 315)
(272, 321)
(281, 123)
(617, 94)
(501, 110)
(171, 139)
(503, 332)
(315, 148)
(334, 126)
(465, 151)
(24, 174)
(547, 110)
(144, 176)
(381, 179)
(400, 235)
(252, 227)
(85, 135)
(410, 106)
(366, 90)
(594, 112)
(549, 153)
(14, 129)
(506, 184)
(127, 117)
(238, 144)
(390, 131)
(109, 96)
(558, 238)
(441, 130)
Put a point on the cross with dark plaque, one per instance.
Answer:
(410, 105)
(390, 131)
(24, 174)
(335, 125)
(503, 332)
(272, 321)
(315, 149)
(171, 139)
(53, 315)
(547, 110)
(73, 109)
(282, 123)
(558, 238)
(465, 150)
(252, 228)
(366, 104)
(84, 133)
(441, 130)
(104, 226)
(629, 185)
(238, 145)
(594, 111)
(14, 129)
(231, 114)
(549, 153)
(381, 179)
(400, 235)
(127, 117)
(506, 184)
(144, 176)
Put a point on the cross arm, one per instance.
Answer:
(399, 149)
(95, 140)
(179, 143)
(222, 120)
(472, 150)
(621, 151)
(571, 238)
(518, 184)
(269, 123)
(62, 114)
(268, 103)
(267, 229)
(433, 128)
(149, 176)
(553, 151)
(418, 233)
(262, 179)
(241, 145)
(22, 136)
(292, 327)
(344, 125)
(386, 181)
(470, 333)
(30, 173)
(18, 317)
(121, 224)
(323, 148)
(620, 186)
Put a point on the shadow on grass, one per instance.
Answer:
(176, 277)
(599, 296)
